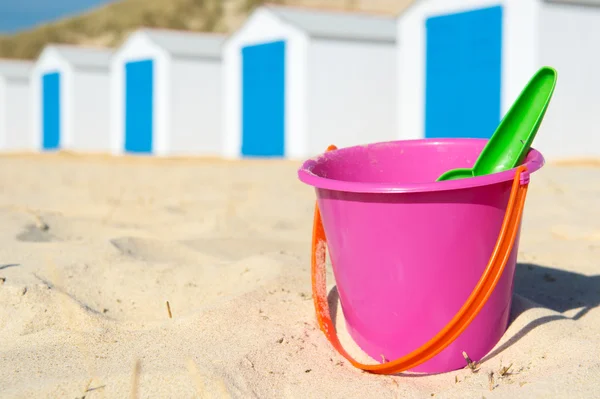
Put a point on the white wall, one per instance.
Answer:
(352, 93)
(261, 27)
(568, 42)
(519, 40)
(50, 61)
(138, 47)
(195, 107)
(91, 112)
(15, 115)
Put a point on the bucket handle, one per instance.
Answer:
(484, 288)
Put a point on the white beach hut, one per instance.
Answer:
(464, 62)
(166, 93)
(14, 105)
(70, 99)
(297, 80)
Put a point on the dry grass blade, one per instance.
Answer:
(491, 379)
(169, 310)
(40, 224)
(135, 379)
(471, 364)
(504, 371)
(87, 387)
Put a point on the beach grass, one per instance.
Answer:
(109, 25)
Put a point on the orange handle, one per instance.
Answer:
(459, 322)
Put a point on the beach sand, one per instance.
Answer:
(92, 248)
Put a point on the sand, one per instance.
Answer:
(92, 248)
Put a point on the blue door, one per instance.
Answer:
(139, 81)
(263, 100)
(464, 64)
(51, 111)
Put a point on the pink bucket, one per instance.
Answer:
(408, 251)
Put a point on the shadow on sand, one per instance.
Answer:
(551, 288)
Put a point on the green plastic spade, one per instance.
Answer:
(511, 141)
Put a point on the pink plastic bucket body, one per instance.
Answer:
(408, 251)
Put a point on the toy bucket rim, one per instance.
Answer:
(533, 162)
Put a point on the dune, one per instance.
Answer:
(94, 247)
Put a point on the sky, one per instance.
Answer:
(17, 15)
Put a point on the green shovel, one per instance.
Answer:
(511, 141)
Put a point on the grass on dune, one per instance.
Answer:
(109, 25)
